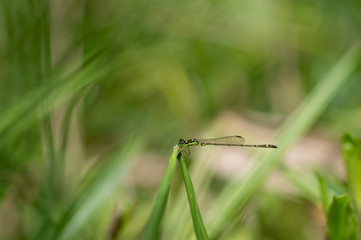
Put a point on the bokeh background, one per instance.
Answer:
(95, 94)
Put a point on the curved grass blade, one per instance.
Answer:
(199, 229)
(152, 226)
(65, 129)
(96, 192)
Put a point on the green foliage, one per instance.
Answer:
(153, 225)
(98, 191)
(352, 156)
(235, 196)
(199, 228)
(341, 219)
(80, 79)
(325, 196)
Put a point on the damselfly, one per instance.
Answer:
(222, 141)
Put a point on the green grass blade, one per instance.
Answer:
(199, 228)
(99, 189)
(323, 192)
(236, 194)
(352, 158)
(152, 226)
(65, 128)
(341, 219)
(179, 225)
(56, 92)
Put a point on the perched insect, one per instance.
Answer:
(222, 141)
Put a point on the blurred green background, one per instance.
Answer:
(94, 95)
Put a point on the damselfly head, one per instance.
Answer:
(181, 141)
